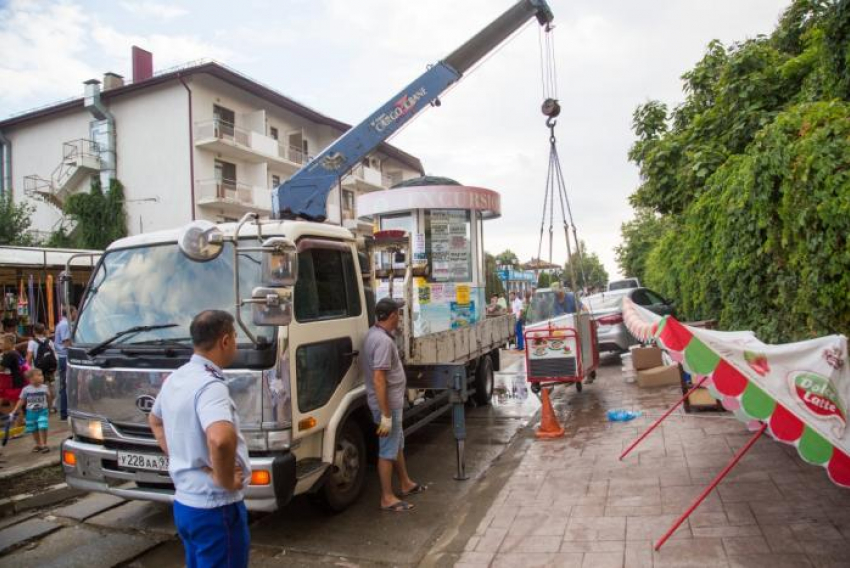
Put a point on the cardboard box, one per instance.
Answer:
(701, 397)
(646, 358)
(659, 376)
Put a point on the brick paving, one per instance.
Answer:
(571, 502)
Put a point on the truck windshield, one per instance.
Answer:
(147, 286)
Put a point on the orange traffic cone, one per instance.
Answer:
(549, 427)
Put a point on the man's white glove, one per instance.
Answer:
(385, 426)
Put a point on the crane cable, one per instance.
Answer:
(555, 180)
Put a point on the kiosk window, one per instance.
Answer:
(327, 285)
(448, 238)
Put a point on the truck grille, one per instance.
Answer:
(134, 431)
(544, 368)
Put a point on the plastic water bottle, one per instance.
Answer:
(620, 415)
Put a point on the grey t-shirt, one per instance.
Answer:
(35, 397)
(379, 353)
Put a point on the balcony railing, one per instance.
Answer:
(293, 153)
(230, 190)
(222, 130)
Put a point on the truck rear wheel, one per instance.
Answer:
(345, 482)
(483, 381)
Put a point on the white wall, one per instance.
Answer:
(153, 156)
(37, 149)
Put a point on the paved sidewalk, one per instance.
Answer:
(17, 456)
(572, 503)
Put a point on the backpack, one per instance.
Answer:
(45, 357)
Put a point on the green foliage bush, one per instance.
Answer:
(100, 217)
(751, 177)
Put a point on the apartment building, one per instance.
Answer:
(202, 141)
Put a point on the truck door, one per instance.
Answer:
(325, 334)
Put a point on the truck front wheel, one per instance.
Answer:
(483, 381)
(345, 481)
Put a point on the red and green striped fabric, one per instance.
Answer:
(749, 402)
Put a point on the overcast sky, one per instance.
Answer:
(346, 57)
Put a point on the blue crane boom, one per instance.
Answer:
(305, 194)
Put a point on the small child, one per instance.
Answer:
(37, 398)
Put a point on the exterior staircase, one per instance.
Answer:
(80, 158)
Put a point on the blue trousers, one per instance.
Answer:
(520, 340)
(214, 538)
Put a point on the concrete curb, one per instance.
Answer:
(50, 496)
(21, 470)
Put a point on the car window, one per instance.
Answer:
(655, 298)
(641, 298)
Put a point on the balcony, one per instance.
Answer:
(364, 179)
(249, 146)
(232, 197)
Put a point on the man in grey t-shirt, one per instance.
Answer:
(383, 376)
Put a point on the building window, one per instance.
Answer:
(225, 177)
(225, 120)
(348, 200)
(273, 132)
(275, 181)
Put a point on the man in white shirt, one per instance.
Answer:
(195, 423)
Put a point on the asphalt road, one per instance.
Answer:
(99, 530)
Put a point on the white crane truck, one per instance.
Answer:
(295, 384)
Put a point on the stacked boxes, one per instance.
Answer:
(651, 370)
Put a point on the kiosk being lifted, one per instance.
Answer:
(429, 251)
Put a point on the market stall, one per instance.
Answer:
(29, 277)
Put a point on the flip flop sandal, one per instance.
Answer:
(398, 507)
(418, 488)
(36, 450)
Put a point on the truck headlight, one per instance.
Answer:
(91, 429)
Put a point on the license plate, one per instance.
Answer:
(143, 461)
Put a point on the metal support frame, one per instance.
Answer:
(453, 379)
(714, 483)
(663, 417)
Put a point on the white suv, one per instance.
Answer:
(623, 284)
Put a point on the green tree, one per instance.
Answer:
(544, 280)
(639, 237)
(507, 258)
(589, 270)
(16, 222)
(750, 176)
(100, 217)
(492, 284)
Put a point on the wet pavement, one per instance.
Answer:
(16, 457)
(141, 534)
(571, 502)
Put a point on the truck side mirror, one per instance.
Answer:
(279, 264)
(65, 287)
(201, 241)
(271, 306)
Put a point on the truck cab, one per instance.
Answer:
(286, 397)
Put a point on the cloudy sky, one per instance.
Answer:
(345, 57)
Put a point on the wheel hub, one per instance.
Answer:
(346, 463)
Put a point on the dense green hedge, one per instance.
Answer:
(749, 180)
